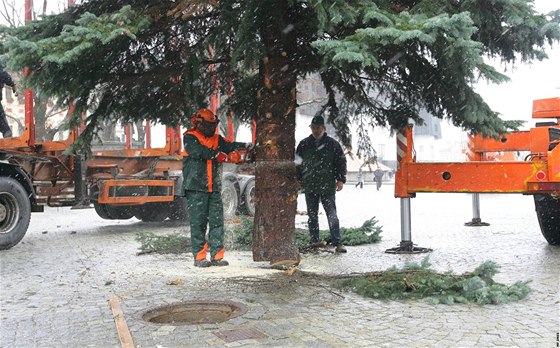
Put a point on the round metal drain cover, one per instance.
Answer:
(195, 312)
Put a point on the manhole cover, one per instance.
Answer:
(196, 312)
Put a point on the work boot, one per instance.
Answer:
(202, 263)
(314, 245)
(220, 262)
(340, 248)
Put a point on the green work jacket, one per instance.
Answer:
(201, 171)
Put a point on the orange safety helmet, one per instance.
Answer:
(204, 115)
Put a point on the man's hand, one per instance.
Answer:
(221, 157)
(339, 185)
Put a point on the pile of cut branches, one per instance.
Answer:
(368, 233)
(416, 281)
(168, 244)
(240, 237)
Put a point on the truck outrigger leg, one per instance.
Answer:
(406, 246)
(476, 220)
(404, 155)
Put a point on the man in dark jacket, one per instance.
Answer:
(5, 79)
(378, 177)
(205, 150)
(321, 171)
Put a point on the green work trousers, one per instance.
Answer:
(206, 208)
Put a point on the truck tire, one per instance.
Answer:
(113, 212)
(120, 212)
(153, 212)
(249, 198)
(15, 212)
(230, 199)
(101, 210)
(179, 209)
(548, 213)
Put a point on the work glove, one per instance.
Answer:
(221, 157)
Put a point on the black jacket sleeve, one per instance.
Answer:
(299, 160)
(6, 79)
(339, 162)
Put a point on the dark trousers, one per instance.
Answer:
(329, 204)
(4, 127)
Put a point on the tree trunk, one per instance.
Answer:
(275, 188)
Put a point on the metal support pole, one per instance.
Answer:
(476, 221)
(406, 225)
(29, 113)
(405, 155)
(406, 246)
(148, 128)
(81, 199)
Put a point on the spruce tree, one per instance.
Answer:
(381, 62)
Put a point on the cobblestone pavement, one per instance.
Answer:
(56, 284)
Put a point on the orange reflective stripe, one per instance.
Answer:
(201, 255)
(211, 143)
(209, 173)
(220, 254)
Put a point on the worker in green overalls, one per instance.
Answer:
(205, 150)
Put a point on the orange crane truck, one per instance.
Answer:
(538, 174)
(121, 183)
(142, 182)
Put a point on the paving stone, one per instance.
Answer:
(53, 288)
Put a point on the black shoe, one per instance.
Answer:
(202, 263)
(220, 262)
(340, 248)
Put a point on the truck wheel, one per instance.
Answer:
(249, 198)
(548, 213)
(229, 199)
(120, 212)
(153, 212)
(15, 212)
(179, 209)
(101, 210)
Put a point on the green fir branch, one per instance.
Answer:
(419, 281)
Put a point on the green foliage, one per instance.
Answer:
(243, 234)
(368, 233)
(418, 281)
(381, 61)
(169, 244)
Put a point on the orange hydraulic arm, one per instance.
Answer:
(540, 174)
